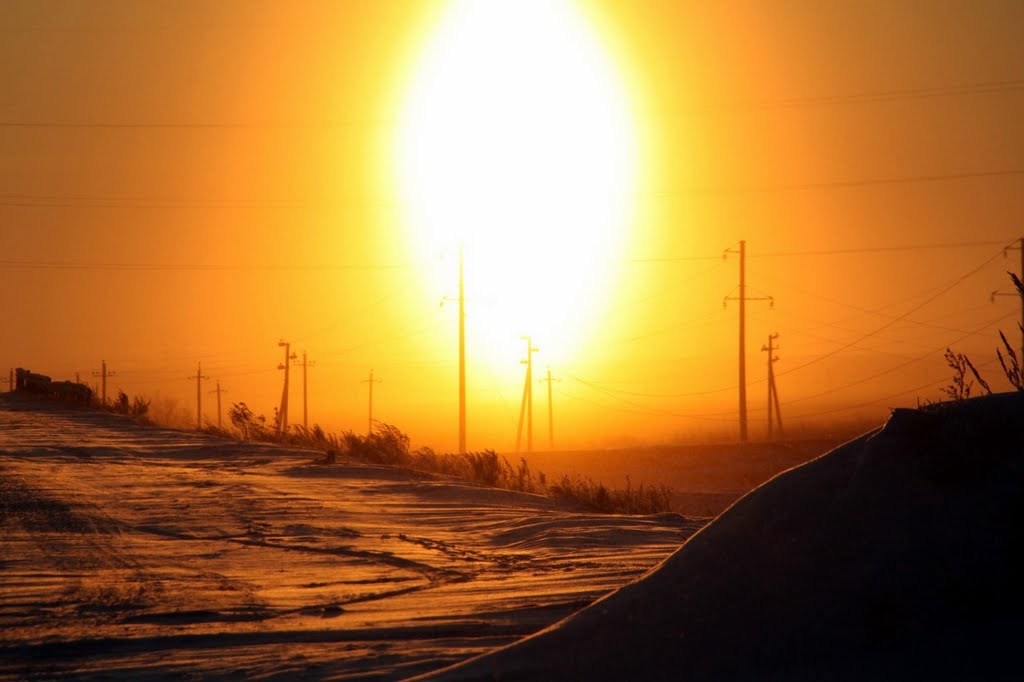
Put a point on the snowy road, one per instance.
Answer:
(140, 552)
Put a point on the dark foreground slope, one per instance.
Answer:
(896, 556)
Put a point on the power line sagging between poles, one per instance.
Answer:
(743, 298)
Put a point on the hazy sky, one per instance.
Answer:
(193, 181)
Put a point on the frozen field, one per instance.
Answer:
(139, 552)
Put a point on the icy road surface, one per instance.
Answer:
(139, 552)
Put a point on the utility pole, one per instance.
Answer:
(1006, 252)
(551, 420)
(103, 374)
(743, 298)
(218, 391)
(369, 419)
(773, 393)
(462, 358)
(199, 395)
(282, 414)
(305, 364)
(10, 380)
(527, 404)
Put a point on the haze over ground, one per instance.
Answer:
(185, 182)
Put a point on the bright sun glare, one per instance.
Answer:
(516, 144)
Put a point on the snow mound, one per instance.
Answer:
(895, 556)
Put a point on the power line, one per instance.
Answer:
(875, 401)
(195, 125)
(895, 319)
(984, 87)
(880, 249)
(15, 200)
(831, 252)
(829, 184)
(844, 347)
(329, 267)
(900, 366)
(197, 267)
(978, 88)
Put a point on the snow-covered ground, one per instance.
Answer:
(897, 556)
(139, 552)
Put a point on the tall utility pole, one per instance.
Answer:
(369, 418)
(527, 404)
(1006, 252)
(305, 363)
(743, 298)
(199, 395)
(551, 419)
(103, 374)
(218, 391)
(773, 393)
(462, 359)
(282, 414)
(10, 380)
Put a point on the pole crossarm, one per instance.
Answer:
(770, 299)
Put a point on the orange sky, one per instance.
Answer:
(193, 181)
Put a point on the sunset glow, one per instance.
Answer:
(188, 183)
(515, 143)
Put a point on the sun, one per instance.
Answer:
(516, 145)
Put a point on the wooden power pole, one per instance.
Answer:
(305, 395)
(369, 418)
(282, 414)
(103, 374)
(551, 412)
(526, 407)
(199, 395)
(1006, 251)
(773, 393)
(462, 359)
(218, 391)
(743, 298)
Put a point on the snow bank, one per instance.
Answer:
(895, 556)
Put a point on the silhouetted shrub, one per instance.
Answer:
(249, 425)
(133, 407)
(647, 499)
